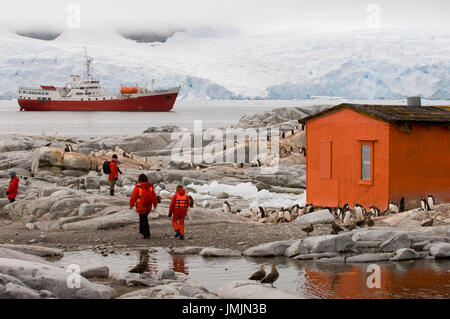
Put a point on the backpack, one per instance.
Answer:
(145, 195)
(106, 168)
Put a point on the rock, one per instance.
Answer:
(43, 238)
(40, 276)
(35, 250)
(47, 226)
(166, 274)
(329, 243)
(365, 258)
(17, 291)
(420, 245)
(46, 157)
(322, 216)
(91, 182)
(122, 218)
(376, 234)
(316, 256)
(218, 252)
(95, 272)
(396, 242)
(295, 249)
(403, 254)
(89, 209)
(251, 290)
(427, 222)
(15, 254)
(223, 195)
(147, 282)
(186, 250)
(440, 250)
(29, 226)
(271, 249)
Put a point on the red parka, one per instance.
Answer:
(179, 204)
(137, 193)
(114, 170)
(13, 188)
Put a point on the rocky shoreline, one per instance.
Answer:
(64, 205)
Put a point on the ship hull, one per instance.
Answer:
(149, 103)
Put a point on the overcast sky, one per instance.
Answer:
(263, 15)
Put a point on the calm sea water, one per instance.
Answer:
(213, 113)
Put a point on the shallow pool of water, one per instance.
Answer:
(312, 279)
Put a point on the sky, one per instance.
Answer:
(254, 15)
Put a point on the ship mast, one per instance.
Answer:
(88, 63)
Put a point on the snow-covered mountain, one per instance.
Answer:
(224, 64)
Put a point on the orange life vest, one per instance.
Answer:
(182, 201)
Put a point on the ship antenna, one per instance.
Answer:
(88, 62)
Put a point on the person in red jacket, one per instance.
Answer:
(114, 173)
(143, 197)
(178, 209)
(13, 187)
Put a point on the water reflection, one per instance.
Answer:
(178, 264)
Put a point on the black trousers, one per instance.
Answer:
(144, 228)
(12, 200)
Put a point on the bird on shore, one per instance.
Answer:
(259, 275)
(335, 228)
(374, 211)
(142, 266)
(271, 277)
(393, 207)
(262, 211)
(401, 207)
(425, 205)
(309, 208)
(226, 207)
(308, 228)
(430, 200)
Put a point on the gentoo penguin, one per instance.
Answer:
(430, 200)
(374, 211)
(141, 167)
(292, 132)
(259, 275)
(262, 211)
(142, 266)
(401, 207)
(393, 207)
(303, 151)
(359, 211)
(226, 207)
(241, 165)
(191, 201)
(271, 277)
(335, 228)
(347, 217)
(309, 208)
(283, 135)
(294, 210)
(425, 205)
(258, 162)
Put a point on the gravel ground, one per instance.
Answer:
(220, 234)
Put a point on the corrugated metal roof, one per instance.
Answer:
(397, 114)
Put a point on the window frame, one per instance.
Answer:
(371, 144)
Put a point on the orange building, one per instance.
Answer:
(374, 154)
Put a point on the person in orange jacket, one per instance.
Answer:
(178, 209)
(13, 187)
(143, 197)
(114, 173)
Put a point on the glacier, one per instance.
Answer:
(354, 64)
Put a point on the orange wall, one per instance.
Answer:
(420, 163)
(345, 129)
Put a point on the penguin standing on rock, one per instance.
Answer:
(374, 211)
(425, 205)
(430, 200)
(262, 211)
(226, 207)
(393, 207)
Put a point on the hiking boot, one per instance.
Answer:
(181, 237)
(177, 233)
(111, 192)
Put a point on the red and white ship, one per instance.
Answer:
(87, 95)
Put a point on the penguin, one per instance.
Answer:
(141, 167)
(309, 208)
(259, 162)
(425, 205)
(401, 207)
(226, 207)
(303, 151)
(393, 207)
(374, 211)
(262, 211)
(294, 211)
(292, 132)
(191, 201)
(283, 135)
(241, 165)
(259, 275)
(430, 200)
(359, 211)
(346, 219)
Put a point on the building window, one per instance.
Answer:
(366, 149)
(325, 159)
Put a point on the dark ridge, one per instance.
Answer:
(149, 37)
(41, 35)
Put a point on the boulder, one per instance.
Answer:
(376, 234)
(95, 272)
(251, 290)
(366, 258)
(396, 242)
(329, 243)
(403, 254)
(122, 218)
(89, 209)
(91, 182)
(440, 250)
(295, 249)
(39, 276)
(271, 249)
(219, 252)
(316, 256)
(189, 250)
(322, 216)
(35, 250)
(45, 157)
